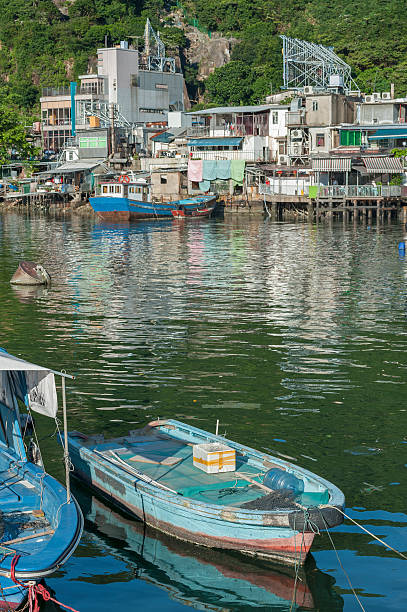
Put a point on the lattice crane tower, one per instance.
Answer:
(154, 51)
(308, 64)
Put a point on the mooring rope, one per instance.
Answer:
(297, 563)
(367, 531)
(34, 589)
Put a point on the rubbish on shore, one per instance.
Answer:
(151, 473)
(30, 273)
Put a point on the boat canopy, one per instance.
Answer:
(33, 384)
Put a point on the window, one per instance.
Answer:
(92, 142)
(350, 138)
(320, 140)
(104, 189)
(314, 105)
(111, 188)
(275, 117)
(163, 179)
(118, 189)
(161, 86)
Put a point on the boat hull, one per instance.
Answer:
(279, 545)
(284, 534)
(12, 595)
(124, 209)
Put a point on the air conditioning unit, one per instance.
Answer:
(369, 99)
(308, 90)
(376, 95)
(284, 160)
(296, 135)
(296, 149)
(386, 95)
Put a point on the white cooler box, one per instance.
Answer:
(214, 457)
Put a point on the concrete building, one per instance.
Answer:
(312, 124)
(128, 89)
(250, 133)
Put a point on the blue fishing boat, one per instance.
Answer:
(12, 595)
(205, 489)
(202, 578)
(40, 523)
(129, 198)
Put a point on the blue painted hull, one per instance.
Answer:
(125, 209)
(12, 596)
(269, 534)
(61, 523)
(194, 576)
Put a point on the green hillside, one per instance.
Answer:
(48, 43)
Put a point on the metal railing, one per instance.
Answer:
(198, 131)
(252, 156)
(280, 188)
(294, 118)
(56, 91)
(363, 191)
(332, 191)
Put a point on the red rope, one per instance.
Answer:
(34, 590)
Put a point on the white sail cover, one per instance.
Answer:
(31, 383)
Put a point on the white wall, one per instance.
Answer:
(277, 130)
(179, 119)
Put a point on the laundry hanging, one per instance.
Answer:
(195, 170)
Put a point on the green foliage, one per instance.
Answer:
(370, 37)
(399, 153)
(230, 84)
(12, 136)
(42, 46)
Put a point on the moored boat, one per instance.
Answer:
(12, 596)
(182, 213)
(202, 578)
(251, 502)
(130, 199)
(41, 523)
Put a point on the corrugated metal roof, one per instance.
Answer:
(169, 135)
(332, 164)
(78, 165)
(225, 110)
(383, 165)
(214, 142)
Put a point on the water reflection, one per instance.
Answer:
(26, 294)
(293, 335)
(201, 578)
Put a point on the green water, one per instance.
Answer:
(294, 336)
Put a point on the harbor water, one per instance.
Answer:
(293, 335)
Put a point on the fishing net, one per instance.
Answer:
(277, 500)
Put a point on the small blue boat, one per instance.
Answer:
(129, 199)
(40, 523)
(202, 578)
(249, 501)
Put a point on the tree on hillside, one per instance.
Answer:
(13, 136)
(230, 84)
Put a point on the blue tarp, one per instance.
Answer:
(215, 142)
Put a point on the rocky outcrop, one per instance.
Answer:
(207, 53)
